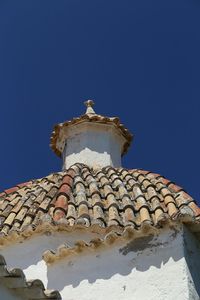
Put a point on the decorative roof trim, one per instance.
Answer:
(16, 281)
(89, 104)
(90, 118)
(49, 228)
(111, 238)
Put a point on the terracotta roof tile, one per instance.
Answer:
(81, 196)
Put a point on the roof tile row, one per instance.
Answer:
(106, 197)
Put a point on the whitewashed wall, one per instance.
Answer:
(96, 145)
(145, 268)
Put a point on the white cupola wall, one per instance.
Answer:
(96, 145)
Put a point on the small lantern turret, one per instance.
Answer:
(92, 139)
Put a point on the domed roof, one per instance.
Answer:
(87, 198)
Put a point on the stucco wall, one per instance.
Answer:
(153, 267)
(94, 145)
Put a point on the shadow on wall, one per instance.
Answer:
(140, 254)
(192, 256)
(101, 141)
(23, 255)
(29, 253)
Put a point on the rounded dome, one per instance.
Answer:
(84, 197)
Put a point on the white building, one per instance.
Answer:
(96, 230)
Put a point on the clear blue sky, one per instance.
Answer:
(139, 60)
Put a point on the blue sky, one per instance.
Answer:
(139, 60)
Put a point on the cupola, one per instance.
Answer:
(91, 139)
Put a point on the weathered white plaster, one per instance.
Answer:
(97, 145)
(152, 267)
(28, 255)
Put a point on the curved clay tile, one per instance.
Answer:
(81, 196)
